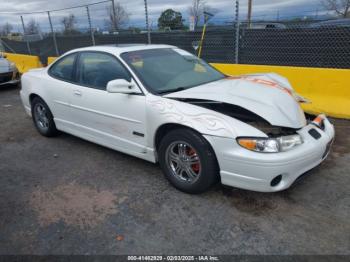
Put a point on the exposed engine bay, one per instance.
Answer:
(243, 115)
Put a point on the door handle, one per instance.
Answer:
(77, 93)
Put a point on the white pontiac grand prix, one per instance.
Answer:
(162, 104)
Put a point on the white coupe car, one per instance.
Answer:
(162, 104)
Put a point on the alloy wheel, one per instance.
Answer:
(41, 118)
(183, 161)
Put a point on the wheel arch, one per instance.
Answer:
(32, 96)
(164, 129)
(167, 127)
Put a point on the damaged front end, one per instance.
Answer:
(278, 138)
(243, 115)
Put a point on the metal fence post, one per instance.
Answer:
(237, 33)
(114, 17)
(147, 24)
(24, 34)
(53, 34)
(89, 20)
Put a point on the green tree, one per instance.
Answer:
(170, 19)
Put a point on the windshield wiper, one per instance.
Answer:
(172, 90)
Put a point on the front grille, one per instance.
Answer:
(5, 77)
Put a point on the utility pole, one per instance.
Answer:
(24, 34)
(114, 17)
(53, 34)
(147, 24)
(278, 15)
(249, 18)
(90, 25)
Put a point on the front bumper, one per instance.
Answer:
(9, 78)
(250, 170)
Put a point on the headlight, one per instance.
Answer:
(288, 142)
(270, 145)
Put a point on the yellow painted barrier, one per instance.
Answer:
(327, 89)
(51, 59)
(24, 62)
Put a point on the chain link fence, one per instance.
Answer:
(283, 41)
(315, 44)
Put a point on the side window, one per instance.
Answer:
(97, 69)
(64, 68)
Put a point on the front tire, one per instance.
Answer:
(188, 161)
(43, 118)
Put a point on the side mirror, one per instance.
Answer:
(122, 86)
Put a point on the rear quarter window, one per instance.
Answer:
(64, 68)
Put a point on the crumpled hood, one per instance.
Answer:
(267, 95)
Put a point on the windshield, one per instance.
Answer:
(170, 70)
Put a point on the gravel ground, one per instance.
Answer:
(64, 195)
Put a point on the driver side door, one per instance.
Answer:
(111, 119)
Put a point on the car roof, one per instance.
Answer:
(121, 48)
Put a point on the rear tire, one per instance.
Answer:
(188, 161)
(43, 118)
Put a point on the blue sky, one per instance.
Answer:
(262, 9)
